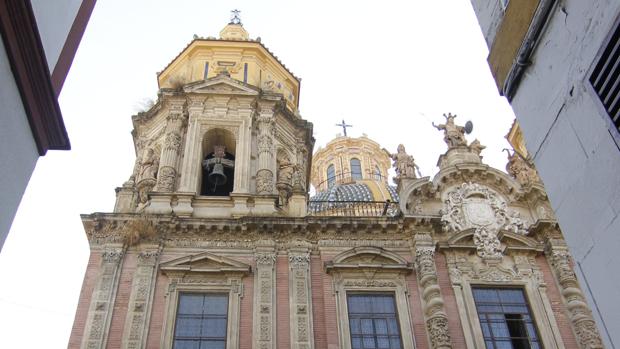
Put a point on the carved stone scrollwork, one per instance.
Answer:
(102, 301)
(474, 206)
(299, 260)
(264, 182)
(580, 314)
(265, 258)
(166, 179)
(139, 300)
(264, 298)
(487, 244)
(436, 318)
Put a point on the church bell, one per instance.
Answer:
(217, 176)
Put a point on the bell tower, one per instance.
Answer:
(225, 138)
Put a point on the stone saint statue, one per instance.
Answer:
(404, 164)
(521, 169)
(284, 183)
(149, 165)
(453, 135)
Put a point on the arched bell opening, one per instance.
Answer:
(218, 164)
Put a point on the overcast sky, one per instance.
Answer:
(387, 67)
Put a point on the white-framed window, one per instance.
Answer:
(373, 320)
(203, 302)
(201, 321)
(505, 318)
(386, 285)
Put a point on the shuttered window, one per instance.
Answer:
(605, 78)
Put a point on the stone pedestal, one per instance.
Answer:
(297, 205)
(184, 205)
(159, 204)
(458, 155)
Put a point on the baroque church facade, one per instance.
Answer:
(214, 241)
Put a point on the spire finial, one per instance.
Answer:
(344, 127)
(234, 17)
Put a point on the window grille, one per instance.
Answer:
(373, 321)
(605, 78)
(201, 321)
(505, 319)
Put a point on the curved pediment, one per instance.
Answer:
(465, 239)
(370, 258)
(480, 174)
(205, 262)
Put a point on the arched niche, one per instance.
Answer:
(213, 139)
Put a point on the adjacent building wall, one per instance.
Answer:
(18, 151)
(568, 135)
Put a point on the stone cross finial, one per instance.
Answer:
(344, 127)
(235, 17)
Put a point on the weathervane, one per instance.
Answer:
(344, 127)
(235, 17)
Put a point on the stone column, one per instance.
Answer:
(266, 160)
(97, 325)
(300, 294)
(140, 300)
(434, 313)
(580, 314)
(167, 175)
(264, 330)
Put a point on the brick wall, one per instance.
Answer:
(282, 304)
(81, 313)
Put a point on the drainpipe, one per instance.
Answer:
(540, 20)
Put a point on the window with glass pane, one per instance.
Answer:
(356, 169)
(201, 321)
(373, 321)
(377, 173)
(505, 319)
(331, 175)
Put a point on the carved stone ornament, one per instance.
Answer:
(299, 260)
(265, 258)
(166, 179)
(404, 164)
(472, 205)
(264, 182)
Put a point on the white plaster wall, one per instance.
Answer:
(54, 20)
(566, 132)
(18, 151)
(490, 14)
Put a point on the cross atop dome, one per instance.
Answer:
(234, 17)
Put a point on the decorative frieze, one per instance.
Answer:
(580, 314)
(264, 336)
(102, 300)
(435, 315)
(300, 300)
(139, 308)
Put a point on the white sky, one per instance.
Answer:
(387, 67)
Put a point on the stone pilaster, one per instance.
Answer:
(102, 301)
(139, 309)
(434, 313)
(266, 148)
(264, 336)
(580, 314)
(302, 334)
(167, 175)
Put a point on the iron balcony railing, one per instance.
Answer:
(348, 177)
(353, 208)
